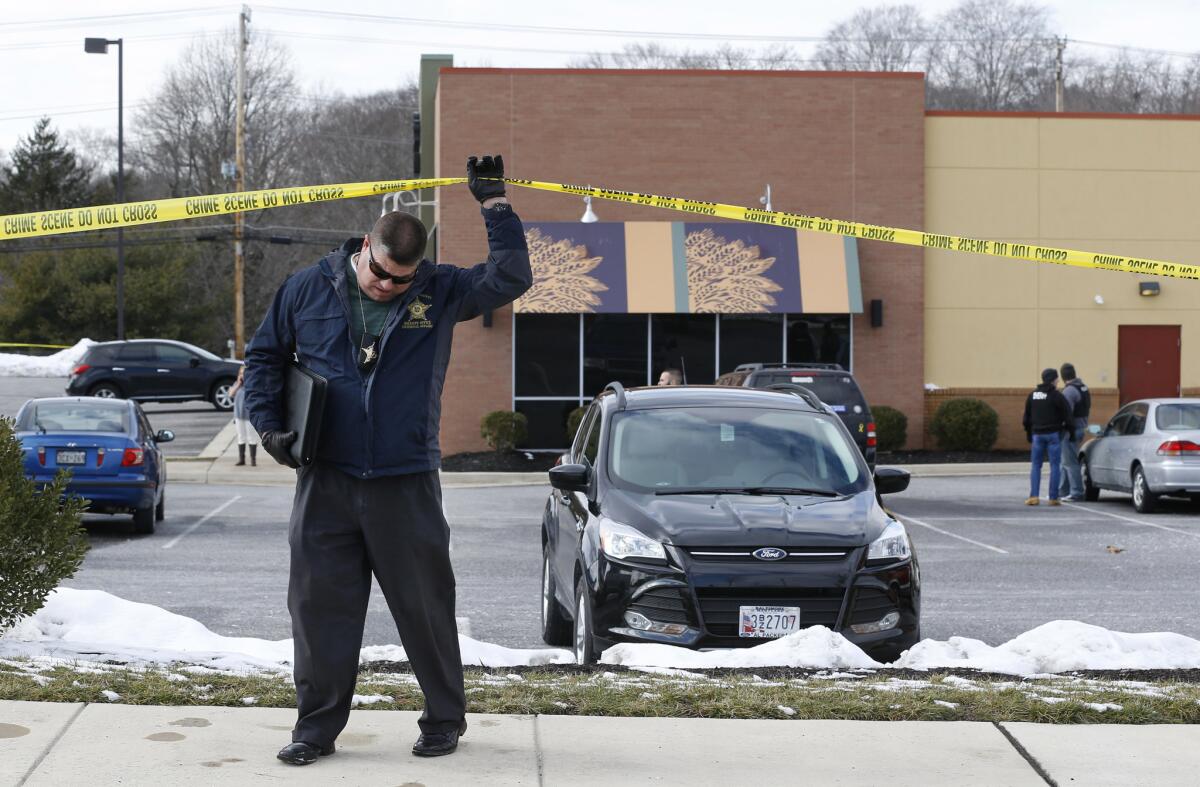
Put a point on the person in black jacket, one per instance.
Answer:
(1047, 418)
(376, 320)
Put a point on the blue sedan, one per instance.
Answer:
(109, 448)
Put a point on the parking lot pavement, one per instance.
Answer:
(194, 423)
(992, 568)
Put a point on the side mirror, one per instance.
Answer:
(193, 362)
(889, 480)
(1095, 429)
(570, 478)
(164, 436)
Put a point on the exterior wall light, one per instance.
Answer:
(589, 216)
(1147, 289)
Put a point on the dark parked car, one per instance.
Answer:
(708, 516)
(154, 370)
(834, 385)
(108, 446)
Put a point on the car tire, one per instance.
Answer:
(106, 391)
(1144, 501)
(160, 510)
(219, 396)
(556, 626)
(584, 638)
(143, 521)
(1091, 492)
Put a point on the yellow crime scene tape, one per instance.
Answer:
(46, 346)
(57, 222)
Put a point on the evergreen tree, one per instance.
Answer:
(45, 174)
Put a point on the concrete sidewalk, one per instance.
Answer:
(215, 465)
(90, 744)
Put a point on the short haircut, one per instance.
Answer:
(1067, 371)
(674, 374)
(401, 236)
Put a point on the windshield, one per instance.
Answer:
(836, 390)
(76, 417)
(733, 448)
(1177, 417)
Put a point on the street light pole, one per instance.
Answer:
(99, 46)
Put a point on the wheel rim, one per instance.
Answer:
(580, 631)
(222, 396)
(1139, 492)
(105, 393)
(545, 591)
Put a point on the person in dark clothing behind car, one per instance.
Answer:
(376, 320)
(1079, 399)
(1047, 416)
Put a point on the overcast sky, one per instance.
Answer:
(46, 71)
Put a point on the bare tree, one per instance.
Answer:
(883, 38)
(187, 129)
(991, 54)
(725, 57)
(1134, 83)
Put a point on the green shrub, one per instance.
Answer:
(965, 425)
(573, 420)
(503, 429)
(42, 541)
(891, 427)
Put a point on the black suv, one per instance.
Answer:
(154, 370)
(706, 517)
(832, 384)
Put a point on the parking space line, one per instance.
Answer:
(201, 521)
(904, 518)
(1192, 533)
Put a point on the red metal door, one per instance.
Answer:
(1148, 361)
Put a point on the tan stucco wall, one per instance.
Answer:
(1123, 185)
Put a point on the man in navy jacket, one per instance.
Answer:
(376, 320)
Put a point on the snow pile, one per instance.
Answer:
(91, 625)
(1059, 646)
(58, 365)
(816, 647)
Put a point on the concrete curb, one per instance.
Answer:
(110, 743)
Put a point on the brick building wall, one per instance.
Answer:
(843, 146)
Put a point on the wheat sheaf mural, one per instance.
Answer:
(727, 276)
(561, 276)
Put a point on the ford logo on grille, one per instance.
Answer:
(769, 553)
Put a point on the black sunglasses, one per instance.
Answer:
(379, 273)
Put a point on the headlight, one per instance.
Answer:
(892, 544)
(622, 541)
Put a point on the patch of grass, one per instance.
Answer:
(773, 694)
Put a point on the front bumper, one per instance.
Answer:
(704, 598)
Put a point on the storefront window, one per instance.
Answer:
(684, 341)
(750, 338)
(547, 355)
(614, 348)
(818, 338)
(547, 423)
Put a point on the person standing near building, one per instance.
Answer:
(245, 432)
(1079, 399)
(1047, 416)
(376, 320)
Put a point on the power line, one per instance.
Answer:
(129, 18)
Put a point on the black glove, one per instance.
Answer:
(277, 445)
(487, 168)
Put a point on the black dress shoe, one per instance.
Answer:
(301, 753)
(435, 744)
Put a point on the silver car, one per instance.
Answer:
(1150, 448)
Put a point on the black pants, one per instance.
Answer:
(343, 529)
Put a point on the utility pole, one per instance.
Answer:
(239, 218)
(1059, 44)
